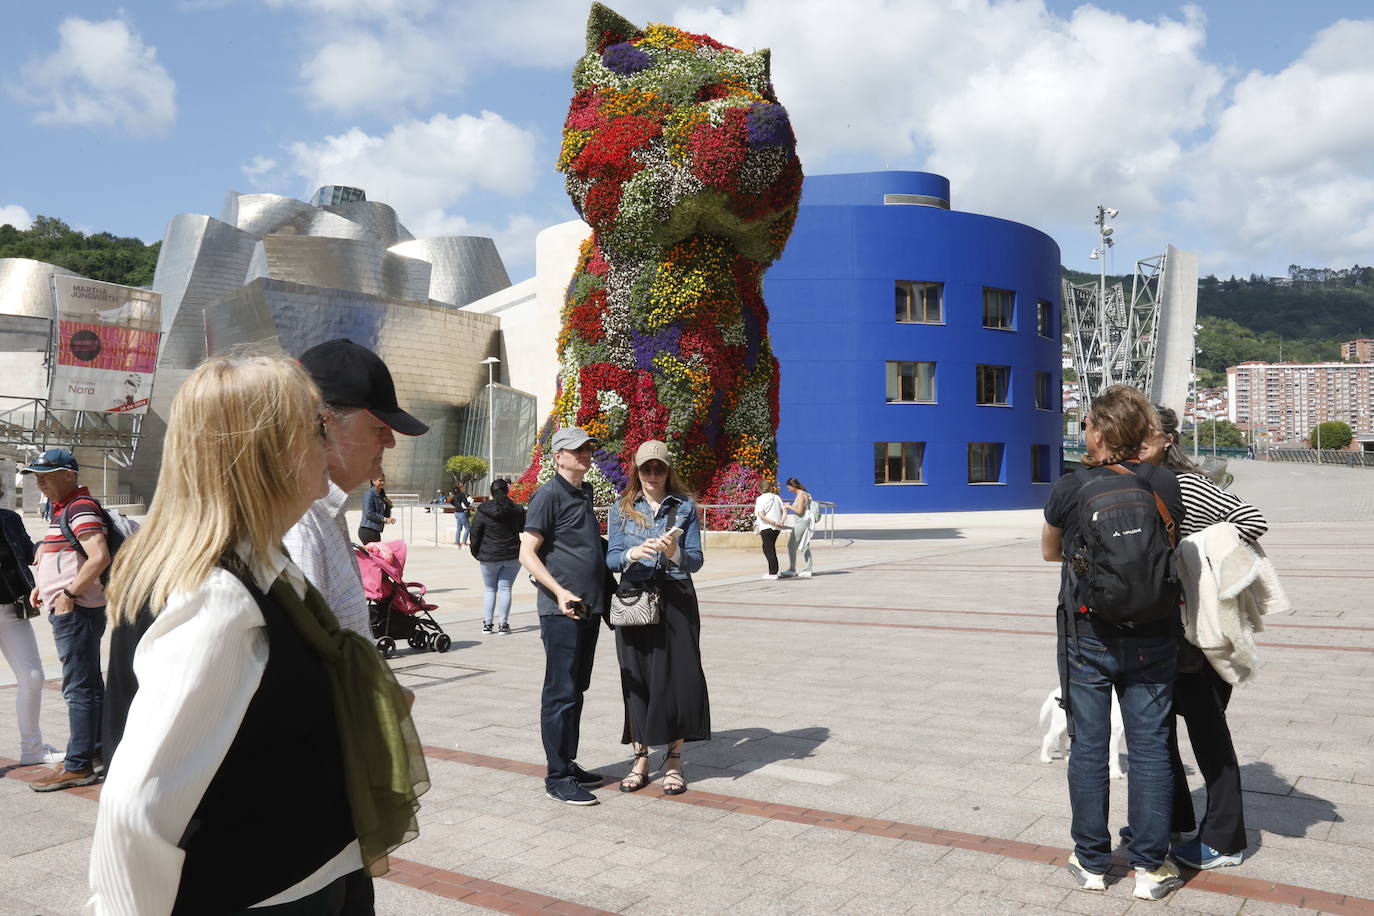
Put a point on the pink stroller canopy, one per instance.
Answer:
(382, 566)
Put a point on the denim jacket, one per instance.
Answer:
(374, 510)
(625, 533)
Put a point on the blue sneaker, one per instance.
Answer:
(568, 792)
(1197, 854)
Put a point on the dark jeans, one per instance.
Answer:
(368, 535)
(1200, 699)
(569, 650)
(77, 637)
(770, 549)
(1141, 671)
(351, 895)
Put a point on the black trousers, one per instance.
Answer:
(368, 535)
(569, 650)
(770, 549)
(1200, 700)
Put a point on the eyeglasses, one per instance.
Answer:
(654, 470)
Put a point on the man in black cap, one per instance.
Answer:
(361, 416)
(561, 548)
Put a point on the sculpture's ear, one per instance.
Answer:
(607, 27)
(766, 56)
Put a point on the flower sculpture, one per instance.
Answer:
(677, 153)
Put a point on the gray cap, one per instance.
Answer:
(571, 438)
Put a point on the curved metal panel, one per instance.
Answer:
(268, 214)
(24, 287)
(346, 264)
(374, 216)
(465, 268)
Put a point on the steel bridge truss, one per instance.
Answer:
(1114, 342)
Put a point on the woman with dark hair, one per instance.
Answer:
(376, 512)
(655, 535)
(495, 543)
(17, 641)
(1200, 694)
(802, 527)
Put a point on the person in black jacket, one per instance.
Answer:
(17, 641)
(495, 542)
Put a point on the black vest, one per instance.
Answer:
(276, 810)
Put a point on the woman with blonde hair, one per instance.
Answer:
(225, 661)
(655, 536)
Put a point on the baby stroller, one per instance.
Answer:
(394, 610)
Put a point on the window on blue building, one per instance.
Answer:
(994, 385)
(1042, 391)
(1044, 318)
(1040, 464)
(997, 307)
(919, 303)
(898, 462)
(985, 462)
(910, 383)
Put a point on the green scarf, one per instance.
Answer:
(384, 768)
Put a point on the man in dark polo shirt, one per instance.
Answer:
(561, 548)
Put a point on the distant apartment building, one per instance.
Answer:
(1288, 399)
(1358, 351)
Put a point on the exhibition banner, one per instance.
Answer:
(107, 341)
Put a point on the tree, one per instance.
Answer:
(466, 468)
(1228, 435)
(1332, 434)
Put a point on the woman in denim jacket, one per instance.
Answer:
(655, 534)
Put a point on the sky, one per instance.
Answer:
(1236, 129)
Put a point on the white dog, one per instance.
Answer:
(1057, 736)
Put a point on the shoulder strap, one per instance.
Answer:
(1159, 503)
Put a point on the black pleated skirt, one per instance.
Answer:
(660, 672)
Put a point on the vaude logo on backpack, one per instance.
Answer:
(1124, 563)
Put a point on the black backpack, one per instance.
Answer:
(118, 529)
(1123, 564)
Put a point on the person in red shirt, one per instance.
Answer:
(68, 585)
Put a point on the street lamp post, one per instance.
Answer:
(490, 362)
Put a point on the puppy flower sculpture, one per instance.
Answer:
(677, 153)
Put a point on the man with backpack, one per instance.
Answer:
(1113, 527)
(72, 557)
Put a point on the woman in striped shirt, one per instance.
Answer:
(1200, 694)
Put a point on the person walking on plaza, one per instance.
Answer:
(17, 642)
(1118, 640)
(802, 529)
(227, 666)
(68, 585)
(1201, 695)
(376, 512)
(769, 521)
(361, 416)
(655, 536)
(495, 543)
(561, 547)
(462, 504)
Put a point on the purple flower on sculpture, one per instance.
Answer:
(768, 125)
(625, 59)
(649, 344)
(611, 468)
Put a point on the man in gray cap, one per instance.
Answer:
(562, 549)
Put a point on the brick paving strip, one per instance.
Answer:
(474, 891)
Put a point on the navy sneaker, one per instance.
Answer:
(569, 792)
(587, 779)
(1197, 854)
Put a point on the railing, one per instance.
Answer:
(1322, 456)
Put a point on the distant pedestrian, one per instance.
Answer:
(361, 417)
(243, 670)
(1201, 695)
(496, 527)
(655, 537)
(769, 521)
(460, 501)
(562, 549)
(1111, 526)
(802, 528)
(69, 586)
(17, 641)
(376, 512)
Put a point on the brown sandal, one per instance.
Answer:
(636, 781)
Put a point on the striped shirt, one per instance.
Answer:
(1207, 504)
(319, 544)
(58, 561)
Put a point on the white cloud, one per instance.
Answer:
(401, 66)
(16, 216)
(259, 170)
(422, 166)
(101, 75)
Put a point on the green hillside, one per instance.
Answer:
(101, 256)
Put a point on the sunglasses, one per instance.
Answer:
(654, 469)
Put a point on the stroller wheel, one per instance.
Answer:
(442, 642)
(416, 640)
(387, 646)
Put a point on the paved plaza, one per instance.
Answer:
(876, 743)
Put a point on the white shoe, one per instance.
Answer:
(1087, 880)
(804, 575)
(50, 755)
(1153, 885)
(769, 576)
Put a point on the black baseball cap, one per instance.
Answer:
(350, 375)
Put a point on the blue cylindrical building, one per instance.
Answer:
(920, 350)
